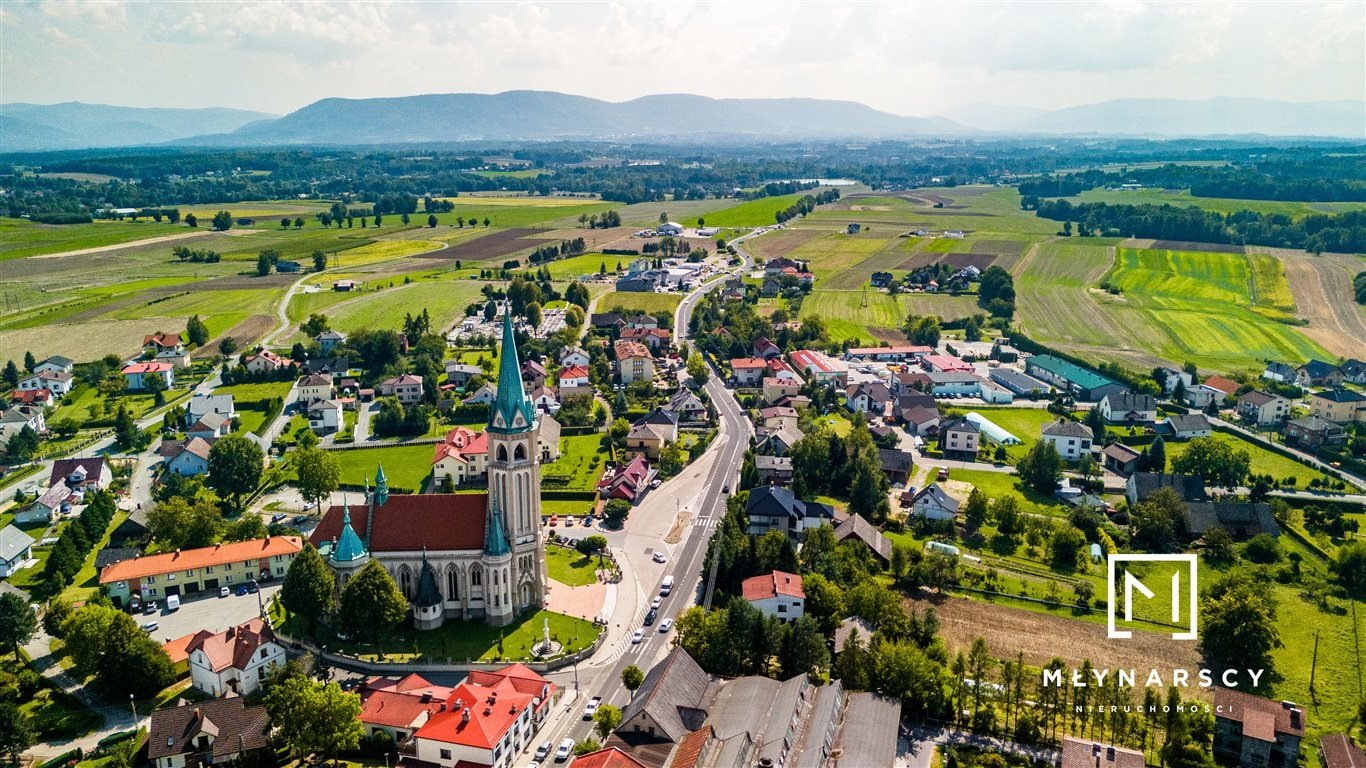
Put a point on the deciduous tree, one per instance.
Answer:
(319, 474)
(310, 587)
(235, 465)
(17, 622)
(371, 603)
(314, 717)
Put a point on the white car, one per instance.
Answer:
(666, 625)
(543, 751)
(150, 626)
(592, 707)
(563, 751)
(638, 636)
(224, 592)
(655, 603)
(659, 557)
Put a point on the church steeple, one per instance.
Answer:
(512, 410)
(349, 547)
(495, 538)
(381, 487)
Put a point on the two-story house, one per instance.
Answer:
(776, 594)
(1070, 439)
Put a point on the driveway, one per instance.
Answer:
(212, 613)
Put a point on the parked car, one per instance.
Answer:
(150, 626)
(241, 590)
(592, 707)
(277, 517)
(659, 557)
(253, 587)
(224, 592)
(543, 751)
(666, 625)
(563, 751)
(150, 607)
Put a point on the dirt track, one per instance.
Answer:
(1322, 287)
(121, 246)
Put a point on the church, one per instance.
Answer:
(458, 555)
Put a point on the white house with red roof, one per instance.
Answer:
(156, 343)
(626, 482)
(264, 361)
(42, 397)
(776, 594)
(749, 371)
(399, 706)
(138, 374)
(487, 720)
(463, 455)
(57, 382)
(574, 380)
(235, 660)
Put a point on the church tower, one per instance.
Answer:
(514, 490)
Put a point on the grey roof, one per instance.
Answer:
(895, 459)
(548, 429)
(856, 527)
(210, 421)
(1068, 428)
(1121, 452)
(940, 497)
(952, 377)
(673, 694)
(875, 390)
(12, 542)
(1188, 422)
(1188, 487)
(1233, 516)
(1318, 369)
(1279, 369)
(1341, 396)
(846, 629)
(959, 425)
(870, 730)
(773, 463)
(58, 360)
(1314, 424)
(1017, 382)
(1258, 398)
(1130, 401)
(768, 501)
(111, 555)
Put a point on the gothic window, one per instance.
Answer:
(405, 582)
(476, 577)
(502, 453)
(453, 583)
(520, 453)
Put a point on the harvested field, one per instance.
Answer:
(1013, 248)
(1322, 290)
(246, 333)
(955, 260)
(1181, 245)
(774, 244)
(1012, 630)
(492, 246)
(86, 341)
(597, 239)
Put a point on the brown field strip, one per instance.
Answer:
(1322, 287)
(955, 260)
(488, 247)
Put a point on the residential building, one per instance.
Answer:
(138, 374)
(399, 706)
(155, 343)
(897, 464)
(932, 503)
(774, 508)
(210, 427)
(1089, 754)
(16, 549)
(845, 632)
(545, 400)
(950, 383)
(573, 377)
(336, 367)
(1336, 750)
(870, 397)
(574, 355)
(1070, 439)
(634, 362)
(640, 321)
(857, 528)
(1184, 426)
(764, 348)
(199, 405)
(921, 420)
(533, 374)
(459, 374)
(820, 367)
(1129, 408)
(1170, 378)
(38, 398)
(46, 506)
(1353, 371)
(1142, 485)
(1317, 373)
(1341, 406)
(1263, 408)
(14, 420)
(687, 405)
(489, 719)
(748, 371)
(1313, 432)
(264, 361)
(1201, 396)
(57, 382)
(776, 416)
(960, 438)
(82, 474)
(1251, 730)
(329, 340)
(326, 416)
(485, 395)
(774, 389)
(1279, 372)
(188, 571)
(1239, 519)
(776, 442)
(774, 470)
(1227, 386)
(548, 437)
(407, 388)
(777, 594)
(55, 364)
(236, 660)
(651, 432)
(314, 386)
(1081, 383)
(187, 458)
(607, 757)
(654, 338)
(1120, 459)
(626, 482)
(215, 732)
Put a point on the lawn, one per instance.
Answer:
(562, 507)
(568, 567)
(86, 403)
(998, 484)
(246, 393)
(53, 714)
(654, 303)
(1333, 703)
(444, 299)
(405, 466)
(1263, 461)
(578, 266)
(513, 212)
(1024, 423)
(580, 464)
(1222, 205)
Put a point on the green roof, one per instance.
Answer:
(511, 401)
(1075, 374)
(427, 593)
(495, 540)
(349, 547)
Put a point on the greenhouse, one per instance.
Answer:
(990, 431)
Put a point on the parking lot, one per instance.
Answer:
(210, 612)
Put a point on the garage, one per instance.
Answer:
(211, 585)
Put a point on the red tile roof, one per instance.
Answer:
(152, 367)
(218, 554)
(771, 585)
(1338, 751)
(407, 523)
(628, 349)
(462, 443)
(31, 396)
(395, 710)
(179, 648)
(411, 684)
(234, 646)
(610, 757)
(1222, 384)
(161, 339)
(573, 372)
(748, 362)
(491, 715)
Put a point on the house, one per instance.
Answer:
(1240, 519)
(218, 731)
(1184, 426)
(671, 703)
(1170, 378)
(1263, 408)
(654, 338)
(1128, 408)
(640, 321)
(932, 503)
(607, 321)
(399, 706)
(47, 506)
(897, 464)
(177, 359)
(154, 344)
(1142, 485)
(406, 387)
(138, 374)
(627, 482)
(533, 374)
(544, 399)
(188, 571)
(776, 417)
(748, 371)
(329, 340)
(1353, 371)
(687, 405)
(314, 386)
(1081, 383)
(1312, 432)
(773, 508)
(634, 362)
(485, 395)
(881, 279)
(776, 266)
(1317, 373)
(776, 442)
(1279, 372)
(820, 367)
(1257, 731)
(774, 470)
(462, 455)
(1089, 754)
(16, 549)
(1019, 383)
(643, 282)
(236, 660)
(921, 420)
(1201, 396)
(868, 397)
(81, 474)
(765, 349)
(189, 458)
(38, 398)
(1227, 386)
(857, 528)
(1120, 459)
(199, 405)
(1341, 406)
(14, 420)
(346, 286)
(776, 594)
(264, 361)
(55, 364)
(960, 438)
(336, 367)
(57, 382)
(326, 416)
(574, 355)
(1070, 439)
(459, 374)
(845, 632)
(897, 354)
(210, 426)
(1336, 750)
(651, 432)
(778, 369)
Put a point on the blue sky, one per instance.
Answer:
(907, 58)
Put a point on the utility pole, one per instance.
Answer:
(1314, 664)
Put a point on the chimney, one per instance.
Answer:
(197, 714)
(465, 715)
(1095, 753)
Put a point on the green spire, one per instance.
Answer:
(349, 547)
(427, 593)
(495, 540)
(512, 401)
(381, 487)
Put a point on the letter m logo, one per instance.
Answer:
(1183, 612)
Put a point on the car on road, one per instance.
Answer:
(591, 708)
(277, 517)
(655, 483)
(543, 751)
(666, 625)
(656, 602)
(563, 751)
(725, 488)
(659, 557)
(569, 521)
(650, 617)
(241, 590)
(150, 607)
(224, 592)
(150, 626)
(301, 519)
(638, 636)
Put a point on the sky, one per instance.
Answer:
(909, 58)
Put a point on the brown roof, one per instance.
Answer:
(855, 526)
(769, 585)
(628, 349)
(689, 751)
(1261, 718)
(233, 726)
(672, 695)
(1090, 754)
(218, 554)
(1222, 384)
(1338, 751)
(407, 523)
(611, 757)
(234, 646)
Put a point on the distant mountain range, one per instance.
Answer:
(544, 115)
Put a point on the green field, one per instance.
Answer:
(751, 213)
(578, 266)
(246, 393)
(20, 237)
(444, 299)
(1219, 204)
(569, 567)
(847, 317)
(1263, 460)
(406, 466)
(654, 303)
(509, 212)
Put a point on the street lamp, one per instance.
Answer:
(133, 705)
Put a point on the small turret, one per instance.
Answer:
(381, 487)
(495, 538)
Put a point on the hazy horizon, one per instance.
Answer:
(918, 59)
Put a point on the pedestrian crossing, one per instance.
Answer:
(705, 522)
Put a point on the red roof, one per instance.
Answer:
(573, 372)
(396, 710)
(806, 358)
(408, 523)
(234, 646)
(411, 684)
(492, 712)
(770, 585)
(31, 396)
(610, 757)
(179, 648)
(462, 443)
(161, 339)
(152, 367)
(627, 349)
(218, 554)
(946, 363)
(748, 362)
(1222, 384)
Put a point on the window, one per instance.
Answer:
(208, 569)
(151, 579)
(227, 579)
(189, 572)
(152, 592)
(264, 652)
(445, 754)
(170, 577)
